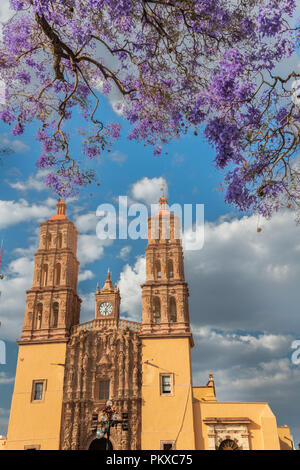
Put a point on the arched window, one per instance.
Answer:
(172, 310)
(44, 275)
(38, 316)
(156, 310)
(170, 270)
(54, 315)
(228, 444)
(59, 240)
(157, 270)
(57, 274)
(48, 241)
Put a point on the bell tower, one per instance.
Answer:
(52, 308)
(108, 300)
(165, 293)
(52, 303)
(167, 409)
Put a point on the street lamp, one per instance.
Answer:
(108, 419)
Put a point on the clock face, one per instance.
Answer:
(105, 309)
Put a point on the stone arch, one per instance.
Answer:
(92, 438)
(55, 311)
(48, 240)
(59, 240)
(38, 316)
(170, 269)
(156, 310)
(172, 310)
(44, 279)
(57, 274)
(157, 270)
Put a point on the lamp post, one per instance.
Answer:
(108, 419)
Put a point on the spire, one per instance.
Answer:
(108, 283)
(97, 289)
(60, 210)
(211, 382)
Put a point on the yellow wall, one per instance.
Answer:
(262, 429)
(285, 438)
(2, 443)
(167, 418)
(37, 423)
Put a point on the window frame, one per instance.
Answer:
(34, 383)
(173, 444)
(162, 393)
(99, 388)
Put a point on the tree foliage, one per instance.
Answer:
(176, 64)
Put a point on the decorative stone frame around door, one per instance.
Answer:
(235, 429)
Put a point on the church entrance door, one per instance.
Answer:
(100, 444)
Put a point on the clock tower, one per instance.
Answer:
(108, 300)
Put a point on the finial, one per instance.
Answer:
(61, 207)
(108, 283)
(211, 377)
(97, 290)
(60, 210)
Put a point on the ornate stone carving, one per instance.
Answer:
(112, 354)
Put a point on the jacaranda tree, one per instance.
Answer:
(177, 65)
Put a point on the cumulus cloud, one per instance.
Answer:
(18, 279)
(10, 143)
(148, 190)
(124, 252)
(15, 212)
(85, 275)
(35, 182)
(246, 280)
(129, 284)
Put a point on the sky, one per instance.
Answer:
(244, 292)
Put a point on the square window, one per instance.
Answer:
(104, 390)
(167, 445)
(166, 384)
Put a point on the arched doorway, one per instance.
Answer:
(100, 444)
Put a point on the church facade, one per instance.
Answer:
(67, 370)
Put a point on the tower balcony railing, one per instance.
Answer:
(106, 323)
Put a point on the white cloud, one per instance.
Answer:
(130, 289)
(5, 380)
(148, 190)
(124, 252)
(244, 279)
(84, 275)
(35, 182)
(15, 145)
(86, 222)
(90, 248)
(18, 279)
(15, 212)
(118, 157)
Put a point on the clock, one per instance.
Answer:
(105, 309)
